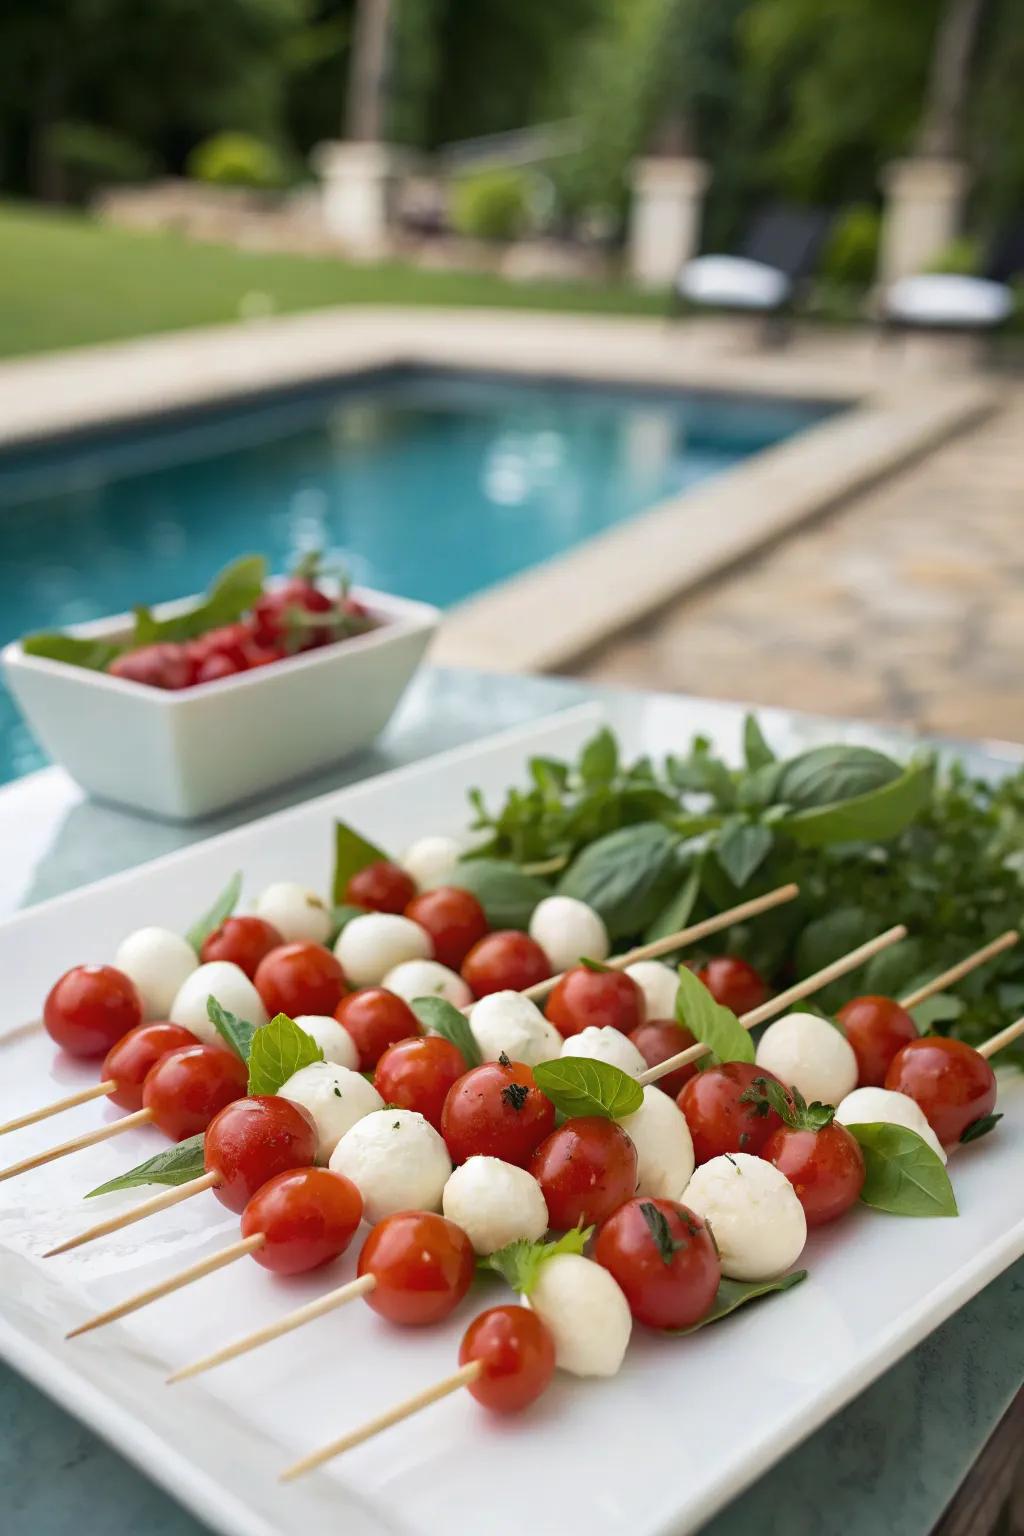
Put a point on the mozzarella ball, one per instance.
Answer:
(603, 1043)
(567, 931)
(495, 1203)
(586, 1312)
(431, 861)
(231, 987)
(396, 1160)
(427, 978)
(664, 1147)
(332, 1038)
(371, 946)
(297, 913)
(336, 1098)
(810, 1054)
(159, 962)
(659, 985)
(752, 1209)
(509, 1022)
(866, 1106)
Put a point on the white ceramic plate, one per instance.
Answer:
(686, 1424)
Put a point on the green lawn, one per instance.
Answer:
(66, 281)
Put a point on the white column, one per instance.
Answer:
(923, 200)
(664, 224)
(358, 185)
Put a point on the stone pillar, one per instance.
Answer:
(664, 224)
(358, 185)
(923, 199)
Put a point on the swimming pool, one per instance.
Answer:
(428, 484)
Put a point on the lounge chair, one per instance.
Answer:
(778, 255)
(950, 301)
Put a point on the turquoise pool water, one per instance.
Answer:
(426, 484)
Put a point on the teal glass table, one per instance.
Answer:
(890, 1462)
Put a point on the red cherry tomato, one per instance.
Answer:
(423, 1266)
(496, 1110)
(659, 1039)
(375, 1018)
(167, 665)
(587, 1169)
(277, 617)
(90, 1008)
(306, 1216)
(229, 640)
(417, 1074)
(604, 999)
(129, 1062)
(876, 1027)
(504, 961)
(254, 1139)
(950, 1081)
(825, 1168)
(381, 887)
(299, 978)
(516, 1353)
(454, 919)
(733, 983)
(262, 655)
(212, 669)
(664, 1260)
(718, 1118)
(243, 941)
(187, 1088)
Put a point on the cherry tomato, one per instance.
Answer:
(229, 640)
(212, 669)
(277, 617)
(504, 961)
(417, 1074)
(243, 941)
(733, 983)
(90, 1008)
(376, 1018)
(659, 1039)
(166, 665)
(381, 887)
(307, 1217)
(423, 1265)
(254, 1139)
(825, 1168)
(129, 1061)
(187, 1088)
(516, 1353)
(950, 1081)
(604, 999)
(496, 1110)
(718, 1118)
(664, 1260)
(454, 919)
(299, 978)
(262, 655)
(587, 1169)
(876, 1027)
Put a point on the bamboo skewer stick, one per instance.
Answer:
(962, 968)
(19, 1031)
(70, 1101)
(161, 1202)
(90, 1139)
(1005, 1037)
(195, 1271)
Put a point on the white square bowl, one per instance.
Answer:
(188, 753)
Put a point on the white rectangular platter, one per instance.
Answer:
(655, 1450)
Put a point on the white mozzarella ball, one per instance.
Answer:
(586, 1312)
(659, 984)
(752, 1209)
(495, 1203)
(298, 914)
(431, 861)
(604, 1043)
(396, 1160)
(509, 1022)
(158, 962)
(664, 1146)
(231, 987)
(332, 1038)
(568, 931)
(810, 1054)
(336, 1097)
(866, 1106)
(427, 978)
(371, 946)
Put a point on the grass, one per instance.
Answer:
(68, 281)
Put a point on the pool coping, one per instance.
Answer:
(554, 613)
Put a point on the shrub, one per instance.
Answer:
(852, 251)
(236, 160)
(92, 157)
(962, 256)
(490, 205)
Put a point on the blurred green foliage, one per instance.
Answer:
(961, 256)
(236, 160)
(490, 205)
(851, 254)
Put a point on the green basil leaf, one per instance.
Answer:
(507, 895)
(736, 1293)
(341, 916)
(742, 849)
(979, 1128)
(599, 760)
(440, 1017)
(904, 1175)
(231, 595)
(756, 751)
(942, 1008)
(222, 908)
(278, 1050)
(677, 912)
(709, 1022)
(520, 1262)
(53, 646)
(237, 1033)
(627, 877)
(825, 775)
(874, 817)
(176, 1165)
(351, 854)
(578, 1086)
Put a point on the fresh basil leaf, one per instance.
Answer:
(789, 1104)
(231, 595)
(279, 1050)
(222, 908)
(507, 895)
(709, 1022)
(53, 646)
(352, 853)
(576, 1085)
(440, 1017)
(896, 970)
(661, 1232)
(903, 1175)
(520, 1262)
(176, 1165)
(627, 877)
(341, 916)
(736, 1293)
(979, 1128)
(599, 759)
(828, 937)
(742, 849)
(826, 775)
(942, 1008)
(756, 751)
(238, 1033)
(874, 817)
(676, 913)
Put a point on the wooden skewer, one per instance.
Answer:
(195, 1271)
(460, 1378)
(962, 968)
(1005, 1037)
(161, 1202)
(70, 1101)
(90, 1139)
(782, 1000)
(19, 1031)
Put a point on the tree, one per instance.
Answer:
(949, 79)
